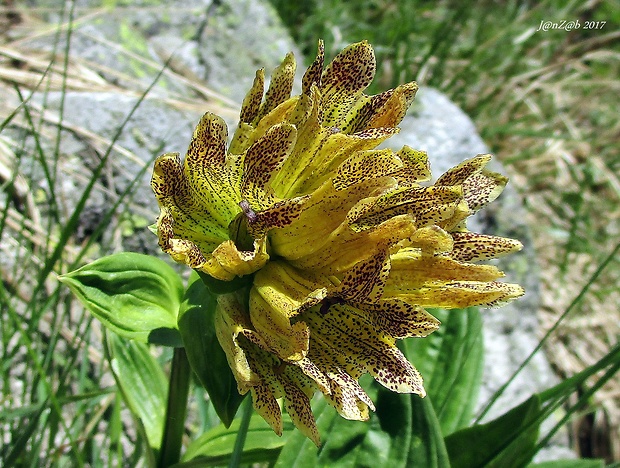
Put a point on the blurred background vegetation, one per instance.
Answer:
(546, 103)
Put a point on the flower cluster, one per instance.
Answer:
(344, 243)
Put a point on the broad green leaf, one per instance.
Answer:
(216, 446)
(506, 441)
(512, 438)
(136, 296)
(427, 447)
(577, 381)
(579, 463)
(142, 382)
(553, 397)
(217, 287)
(451, 361)
(403, 432)
(390, 433)
(205, 355)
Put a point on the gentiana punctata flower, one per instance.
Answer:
(345, 244)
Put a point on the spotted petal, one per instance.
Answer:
(342, 245)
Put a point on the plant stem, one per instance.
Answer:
(174, 425)
(235, 459)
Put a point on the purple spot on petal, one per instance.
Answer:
(248, 211)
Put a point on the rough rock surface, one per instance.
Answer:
(223, 43)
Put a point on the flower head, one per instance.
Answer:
(345, 245)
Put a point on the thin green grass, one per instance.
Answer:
(63, 406)
(60, 406)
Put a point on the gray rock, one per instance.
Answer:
(154, 128)
(220, 42)
(229, 51)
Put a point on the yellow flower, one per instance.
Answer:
(344, 244)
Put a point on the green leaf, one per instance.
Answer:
(143, 384)
(512, 438)
(403, 432)
(217, 287)
(451, 360)
(556, 396)
(216, 446)
(427, 444)
(205, 355)
(506, 441)
(579, 463)
(136, 296)
(390, 432)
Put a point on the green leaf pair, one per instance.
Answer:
(135, 296)
(142, 298)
